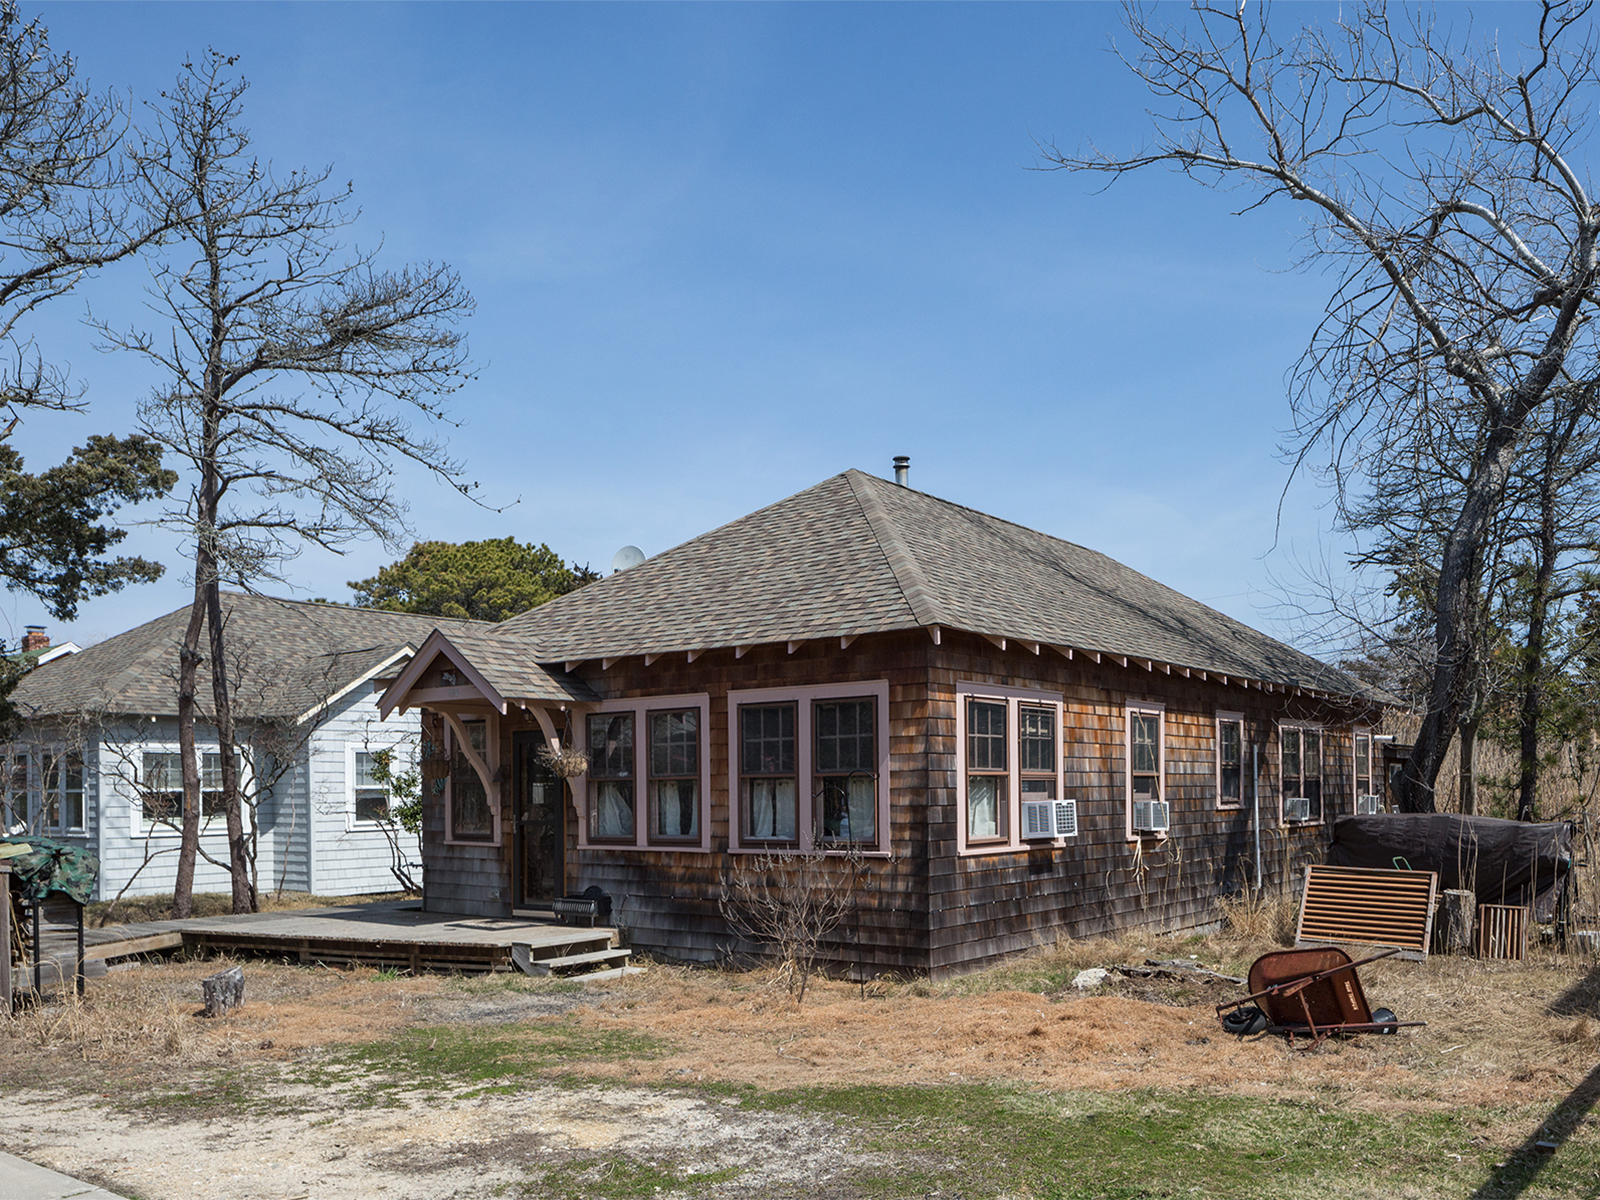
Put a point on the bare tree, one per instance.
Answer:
(293, 371)
(1441, 178)
(64, 206)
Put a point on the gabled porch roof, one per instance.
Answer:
(499, 670)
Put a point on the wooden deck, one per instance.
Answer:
(395, 935)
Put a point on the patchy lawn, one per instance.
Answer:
(703, 1083)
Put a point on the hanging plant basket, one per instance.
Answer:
(565, 762)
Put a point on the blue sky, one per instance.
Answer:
(723, 252)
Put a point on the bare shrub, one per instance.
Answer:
(791, 903)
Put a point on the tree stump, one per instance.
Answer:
(224, 991)
(1452, 928)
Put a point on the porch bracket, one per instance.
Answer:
(485, 776)
(546, 726)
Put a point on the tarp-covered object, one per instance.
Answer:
(51, 866)
(1502, 862)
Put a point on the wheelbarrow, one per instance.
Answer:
(1313, 992)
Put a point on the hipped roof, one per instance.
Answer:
(857, 554)
(287, 658)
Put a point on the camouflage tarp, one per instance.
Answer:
(52, 866)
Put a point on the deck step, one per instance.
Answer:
(548, 966)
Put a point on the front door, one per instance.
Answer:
(540, 839)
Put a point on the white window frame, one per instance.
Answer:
(352, 823)
(1013, 698)
(491, 756)
(1322, 772)
(147, 828)
(1238, 719)
(30, 785)
(1148, 708)
(804, 699)
(641, 707)
(33, 812)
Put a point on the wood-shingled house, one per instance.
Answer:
(864, 665)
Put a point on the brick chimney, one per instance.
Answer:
(35, 638)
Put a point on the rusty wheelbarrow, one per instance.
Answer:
(1313, 992)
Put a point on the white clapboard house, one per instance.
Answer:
(96, 762)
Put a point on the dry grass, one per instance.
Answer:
(155, 1010)
(1259, 916)
(1498, 1035)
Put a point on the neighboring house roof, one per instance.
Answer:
(289, 658)
(857, 554)
(48, 654)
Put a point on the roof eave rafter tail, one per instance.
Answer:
(847, 639)
(694, 654)
(934, 633)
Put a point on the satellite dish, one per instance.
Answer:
(628, 556)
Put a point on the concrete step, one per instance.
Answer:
(602, 976)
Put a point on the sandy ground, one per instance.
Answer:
(1498, 1037)
(464, 1148)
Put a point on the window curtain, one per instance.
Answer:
(772, 809)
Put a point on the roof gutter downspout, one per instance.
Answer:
(1255, 796)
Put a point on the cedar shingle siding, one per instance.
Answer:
(858, 579)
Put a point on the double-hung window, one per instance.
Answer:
(675, 775)
(1363, 763)
(1230, 760)
(470, 817)
(42, 790)
(161, 787)
(647, 781)
(846, 769)
(1145, 763)
(810, 767)
(369, 798)
(1300, 747)
(14, 808)
(62, 778)
(1008, 750)
(611, 778)
(988, 772)
(769, 781)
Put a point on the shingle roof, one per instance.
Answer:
(510, 665)
(857, 554)
(288, 657)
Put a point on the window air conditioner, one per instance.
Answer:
(1049, 819)
(1038, 819)
(1296, 808)
(1151, 816)
(1368, 806)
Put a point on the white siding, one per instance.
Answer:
(310, 800)
(352, 857)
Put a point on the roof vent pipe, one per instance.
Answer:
(902, 469)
